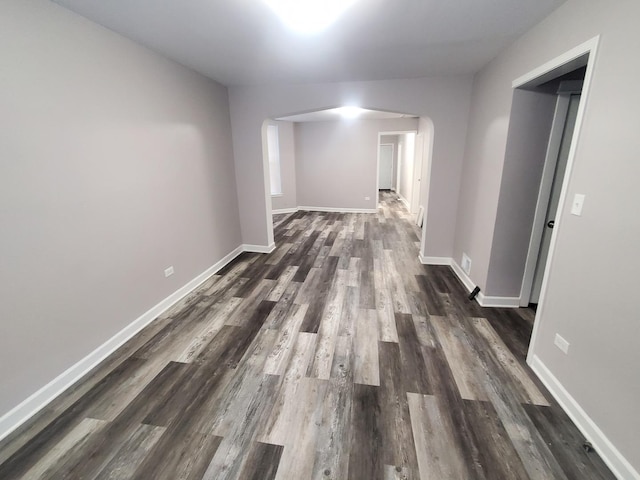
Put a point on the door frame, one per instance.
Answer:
(553, 69)
(416, 187)
(380, 134)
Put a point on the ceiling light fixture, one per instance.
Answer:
(349, 112)
(309, 16)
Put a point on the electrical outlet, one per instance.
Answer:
(168, 271)
(466, 264)
(561, 343)
(367, 198)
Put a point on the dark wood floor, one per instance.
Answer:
(338, 356)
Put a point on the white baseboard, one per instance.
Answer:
(258, 248)
(403, 200)
(33, 404)
(462, 275)
(619, 465)
(482, 299)
(284, 210)
(338, 209)
(498, 302)
(435, 260)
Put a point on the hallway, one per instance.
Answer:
(336, 356)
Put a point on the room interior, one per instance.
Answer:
(134, 169)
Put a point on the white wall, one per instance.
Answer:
(591, 296)
(337, 162)
(115, 163)
(445, 100)
(289, 198)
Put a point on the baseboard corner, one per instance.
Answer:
(618, 464)
(435, 260)
(284, 210)
(258, 248)
(498, 302)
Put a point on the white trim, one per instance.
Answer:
(337, 209)
(40, 399)
(284, 210)
(435, 260)
(498, 302)
(566, 58)
(404, 201)
(590, 47)
(416, 178)
(258, 248)
(266, 180)
(619, 465)
(398, 132)
(484, 301)
(464, 278)
(275, 195)
(425, 187)
(323, 209)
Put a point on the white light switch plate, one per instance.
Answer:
(576, 206)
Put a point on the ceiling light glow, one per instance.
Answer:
(309, 16)
(349, 112)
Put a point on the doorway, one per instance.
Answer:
(568, 89)
(566, 112)
(579, 59)
(406, 166)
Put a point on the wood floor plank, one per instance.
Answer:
(460, 358)
(281, 421)
(415, 376)
(187, 462)
(283, 308)
(565, 442)
(519, 376)
(262, 462)
(424, 331)
(212, 324)
(398, 442)
(365, 446)
(131, 454)
(391, 472)
(249, 405)
(497, 456)
(320, 366)
(439, 456)
(384, 305)
(283, 282)
(395, 283)
(278, 358)
(300, 445)
(366, 367)
(318, 302)
(75, 440)
(332, 454)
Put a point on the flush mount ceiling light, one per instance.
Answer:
(309, 16)
(349, 112)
